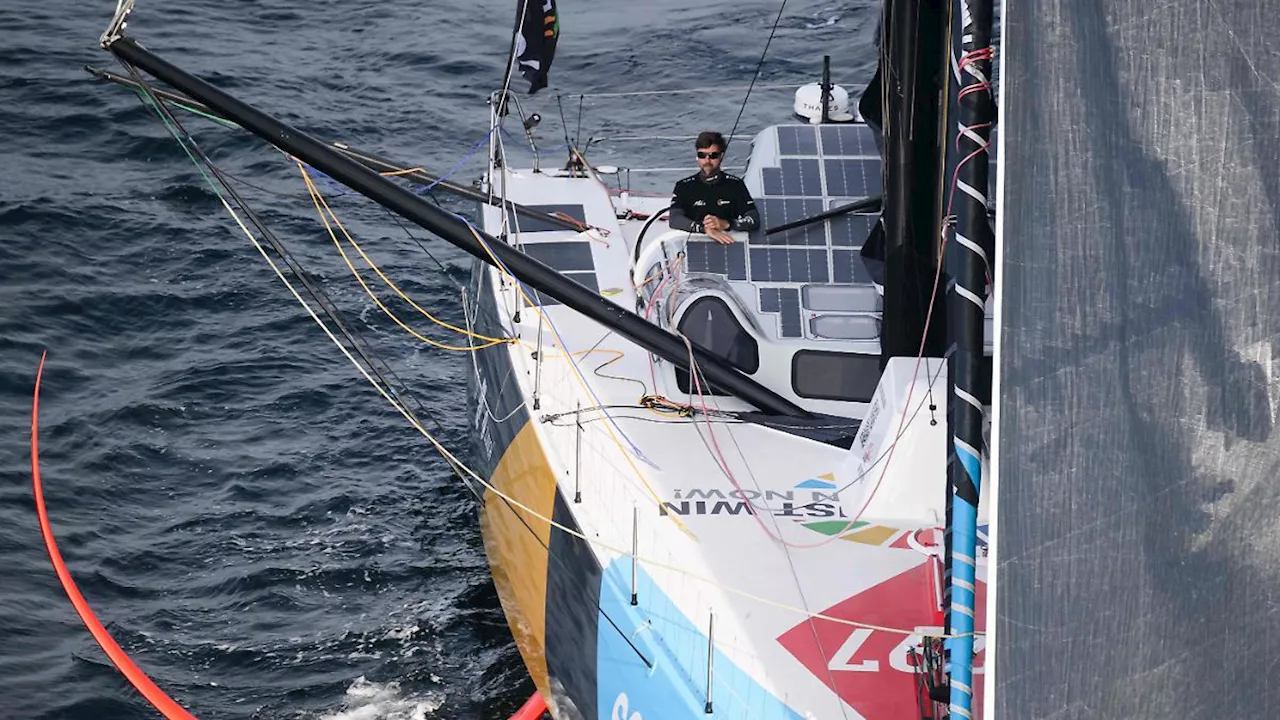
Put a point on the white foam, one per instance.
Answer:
(383, 701)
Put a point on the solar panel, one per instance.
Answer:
(790, 298)
(770, 300)
(779, 211)
(847, 267)
(571, 256)
(712, 257)
(850, 230)
(853, 178)
(532, 225)
(794, 176)
(772, 181)
(797, 140)
(848, 141)
(789, 265)
(818, 168)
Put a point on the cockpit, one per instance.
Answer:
(792, 304)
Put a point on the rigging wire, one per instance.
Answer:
(203, 162)
(787, 546)
(722, 463)
(521, 10)
(326, 213)
(887, 454)
(756, 76)
(564, 123)
(683, 91)
(383, 386)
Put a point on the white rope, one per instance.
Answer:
(511, 66)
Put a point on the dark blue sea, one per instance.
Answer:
(257, 528)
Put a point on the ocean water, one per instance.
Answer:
(257, 528)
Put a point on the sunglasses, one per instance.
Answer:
(714, 155)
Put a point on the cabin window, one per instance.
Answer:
(711, 324)
(825, 375)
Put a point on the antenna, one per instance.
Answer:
(826, 89)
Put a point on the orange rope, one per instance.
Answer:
(533, 709)
(136, 677)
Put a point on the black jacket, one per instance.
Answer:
(722, 195)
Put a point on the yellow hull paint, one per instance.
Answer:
(518, 557)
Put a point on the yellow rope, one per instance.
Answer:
(323, 208)
(325, 213)
(405, 171)
(369, 261)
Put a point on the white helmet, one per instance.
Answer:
(808, 105)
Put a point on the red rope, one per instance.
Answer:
(532, 709)
(154, 695)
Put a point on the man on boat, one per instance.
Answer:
(711, 201)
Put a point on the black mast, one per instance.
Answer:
(971, 245)
(400, 200)
(910, 82)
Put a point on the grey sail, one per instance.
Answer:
(1139, 465)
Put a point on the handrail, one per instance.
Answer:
(648, 253)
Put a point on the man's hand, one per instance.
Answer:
(717, 229)
(720, 236)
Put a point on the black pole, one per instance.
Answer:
(374, 162)
(408, 205)
(826, 88)
(865, 205)
(914, 64)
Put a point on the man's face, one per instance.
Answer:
(709, 159)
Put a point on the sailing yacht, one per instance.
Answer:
(662, 547)
(718, 480)
(704, 556)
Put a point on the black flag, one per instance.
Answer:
(536, 44)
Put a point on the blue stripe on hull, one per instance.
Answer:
(676, 685)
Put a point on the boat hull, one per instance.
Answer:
(590, 652)
(547, 580)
